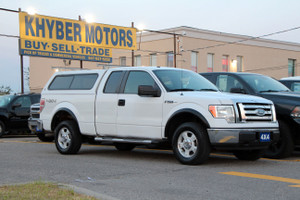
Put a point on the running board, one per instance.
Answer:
(125, 140)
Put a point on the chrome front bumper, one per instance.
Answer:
(247, 137)
(35, 125)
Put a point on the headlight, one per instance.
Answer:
(223, 112)
(296, 112)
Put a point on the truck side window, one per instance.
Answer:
(226, 82)
(61, 83)
(24, 101)
(137, 78)
(83, 82)
(113, 82)
(295, 86)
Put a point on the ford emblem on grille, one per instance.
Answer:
(260, 112)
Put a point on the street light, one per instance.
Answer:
(89, 18)
(31, 11)
(167, 33)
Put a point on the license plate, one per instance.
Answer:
(265, 137)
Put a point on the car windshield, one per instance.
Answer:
(183, 80)
(260, 83)
(4, 100)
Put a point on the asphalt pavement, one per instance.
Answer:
(106, 173)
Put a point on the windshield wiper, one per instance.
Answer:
(182, 89)
(208, 89)
(269, 91)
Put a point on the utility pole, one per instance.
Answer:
(132, 51)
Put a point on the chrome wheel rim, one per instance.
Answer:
(64, 138)
(187, 144)
(1, 128)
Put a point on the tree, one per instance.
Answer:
(5, 90)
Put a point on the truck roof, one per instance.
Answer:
(86, 71)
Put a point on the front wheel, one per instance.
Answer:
(191, 144)
(2, 128)
(42, 136)
(285, 146)
(248, 154)
(67, 137)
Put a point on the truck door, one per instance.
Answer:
(107, 104)
(139, 116)
(20, 109)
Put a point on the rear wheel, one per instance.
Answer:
(285, 145)
(124, 146)
(191, 144)
(67, 138)
(2, 128)
(248, 154)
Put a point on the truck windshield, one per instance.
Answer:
(182, 80)
(4, 100)
(260, 83)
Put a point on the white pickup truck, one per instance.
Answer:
(133, 106)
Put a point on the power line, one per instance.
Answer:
(9, 10)
(13, 36)
(251, 38)
(271, 68)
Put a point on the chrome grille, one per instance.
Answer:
(255, 112)
(35, 111)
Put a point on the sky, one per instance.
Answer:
(243, 17)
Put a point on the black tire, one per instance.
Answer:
(249, 154)
(2, 128)
(42, 136)
(285, 145)
(190, 144)
(124, 146)
(67, 137)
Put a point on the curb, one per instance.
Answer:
(87, 192)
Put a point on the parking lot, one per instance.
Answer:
(148, 173)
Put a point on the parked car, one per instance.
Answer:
(155, 105)
(14, 112)
(35, 127)
(287, 104)
(293, 83)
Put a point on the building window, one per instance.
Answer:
(239, 64)
(123, 61)
(210, 62)
(137, 60)
(194, 61)
(225, 63)
(291, 67)
(170, 59)
(153, 59)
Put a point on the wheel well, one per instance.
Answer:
(62, 116)
(181, 118)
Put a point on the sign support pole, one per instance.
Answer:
(21, 63)
(81, 62)
(132, 52)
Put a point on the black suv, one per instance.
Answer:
(287, 104)
(14, 111)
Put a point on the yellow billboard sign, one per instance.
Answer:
(72, 39)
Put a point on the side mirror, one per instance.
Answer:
(237, 90)
(17, 105)
(148, 90)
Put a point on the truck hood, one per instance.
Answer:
(283, 101)
(225, 98)
(291, 96)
